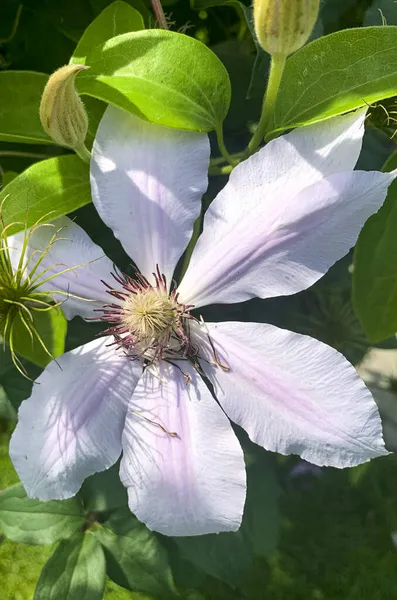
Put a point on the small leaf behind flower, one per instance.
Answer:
(375, 268)
(75, 571)
(33, 522)
(52, 327)
(117, 18)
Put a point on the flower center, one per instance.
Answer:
(149, 323)
(150, 315)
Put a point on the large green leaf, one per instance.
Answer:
(164, 77)
(20, 94)
(375, 269)
(34, 522)
(136, 560)
(51, 187)
(76, 571)
(117, 18)
(335, 74)
(51, 326)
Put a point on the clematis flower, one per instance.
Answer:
(285, 216)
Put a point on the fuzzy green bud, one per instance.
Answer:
(284, 26)
(62, 113)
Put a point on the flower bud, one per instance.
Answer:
(284, 26)
(62, 113)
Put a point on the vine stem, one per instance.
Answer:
(276, 73)
(222, 148)
(83, 153)
(17, 153)
(159, 14)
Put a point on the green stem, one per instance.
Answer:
(220, 160)
(276, 72)
(16, 153)
(83, 152)
(10, 37)
(222, 148)
(220, 170)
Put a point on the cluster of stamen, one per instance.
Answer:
(148, 321)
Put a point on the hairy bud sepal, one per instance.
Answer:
(62, 112)
(284, 26)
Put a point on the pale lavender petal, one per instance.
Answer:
(71, 425)
(182, 463)
(147, 182)
(292, 394)
(303, 156)
(82, 263)
(282, 244)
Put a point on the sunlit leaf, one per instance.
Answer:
(75, 571)
(51, 187)
(34, 522)
(161, 76)
(335, 74)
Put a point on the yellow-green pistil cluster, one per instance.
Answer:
(150, 315)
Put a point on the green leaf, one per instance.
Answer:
(261, 64)
(135, 558)
(375, 268)
(117, 18)
(34, 522)
(104, 491)
(226, 556)
(76, 571)
(139, 5)
(261, 523)
(16, 387)
(20, 94)
(161, 76)
(51, 326)
(335, 74)
(52, 187)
